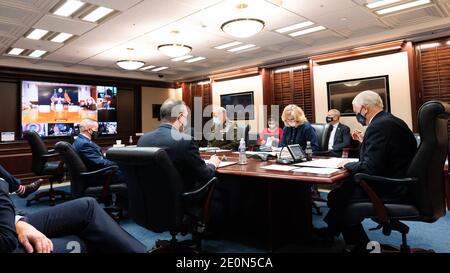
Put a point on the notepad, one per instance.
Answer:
(223, 163)
(276, 167)
(326, 163)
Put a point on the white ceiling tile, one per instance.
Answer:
(119, 5)
(63, 24)
(37, 44)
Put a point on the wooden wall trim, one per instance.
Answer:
(359, 52)
(236, 74)
(13, 73)
(413, 76)
(311, 75)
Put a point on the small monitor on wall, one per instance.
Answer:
(342, 93)
(242, 103)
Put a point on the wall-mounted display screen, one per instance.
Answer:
(56, 109)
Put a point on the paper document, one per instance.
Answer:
(256, 153)
(212, 150)
(282, 168)
(316, 170)
(223, 163)
(326, 163)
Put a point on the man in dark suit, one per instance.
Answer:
(338, 134)
(181, 148)
(16, 186)
(388, 146)
(91, 153)
(79, 225)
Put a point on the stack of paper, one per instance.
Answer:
(282, 168)
(326, 163)
(316, 170)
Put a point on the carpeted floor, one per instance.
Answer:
(434, 236)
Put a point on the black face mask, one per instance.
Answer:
(329, 119)
(94, 135)
(361, 119)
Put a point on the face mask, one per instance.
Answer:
(272, 126)
(94, 135)
(329, 119)
(216, 121)
(361, 119)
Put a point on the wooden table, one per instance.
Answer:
(282, 211)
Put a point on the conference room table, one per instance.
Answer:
(273, 206)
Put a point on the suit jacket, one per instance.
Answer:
(8, 236)
(227, 139)
(342, 139)
(387, 148)
(300, 135)
(90, 153)
(183, 151)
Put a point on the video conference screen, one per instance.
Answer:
(56, 109)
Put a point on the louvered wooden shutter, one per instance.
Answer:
(294, 87)
(434, 69)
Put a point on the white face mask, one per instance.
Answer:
(217, 121)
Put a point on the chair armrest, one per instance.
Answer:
(50, 155)
(103, 171)
(202, 189)
(381, 179)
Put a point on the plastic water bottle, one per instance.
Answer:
(242, 157)
(130, 140)
(308, 151)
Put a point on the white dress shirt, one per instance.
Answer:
(333, 133)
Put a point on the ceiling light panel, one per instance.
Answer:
(381, 3)
(16, 51)
(228, 45)
(37, 34)
(69, 8)
(239, 48)
(147, 67)
(160, 68)
(97, 14)
(295, 27)
(182, 58)
(403, 7)
(62, 37)
(37, 53)
(307, 31)
(196, 59)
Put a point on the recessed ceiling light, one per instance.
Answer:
(241, 48)
(307, 31)
(403, 6)
(381, 3)
(97, 14)
(69, 8)
(62, 37)
(185, 57)
(294, 27)
(37, 53)
(160, 68)
(429, 45)
(235, 43)
(195, 60)
(16, 51)
(37, 34)
(147, 67)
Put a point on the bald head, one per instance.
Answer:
(87, 124)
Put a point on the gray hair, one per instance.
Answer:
(335, 112)
(87, 124)
(170, 110)
(368, 98)
(219, 110)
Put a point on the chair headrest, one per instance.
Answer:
(141, 155)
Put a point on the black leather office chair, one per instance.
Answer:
(244, 133)
(321, 132)
(425, 179)
(43, 167)
(80, 179)
(156, 198)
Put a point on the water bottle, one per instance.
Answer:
(130, 140)
(308, 151)
(242, 157)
